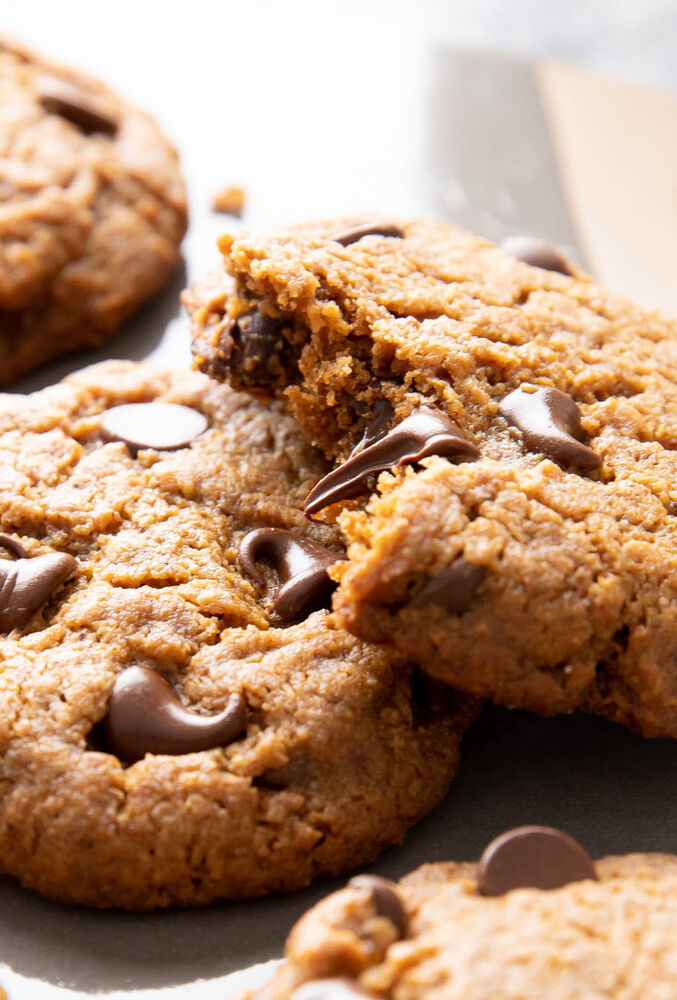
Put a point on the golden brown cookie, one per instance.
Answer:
(181, 718)
(505, 447)
(92, 210)
(603, 931)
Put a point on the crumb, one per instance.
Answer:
(230, 200)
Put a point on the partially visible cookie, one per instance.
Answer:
(92, 210)
(505, 447)
(181, 718)
(560, 927)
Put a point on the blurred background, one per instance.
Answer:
(404, 107)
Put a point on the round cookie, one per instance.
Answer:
(505, 439)
(92, 210)
(171, 729)
(608, 932)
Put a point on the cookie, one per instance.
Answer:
(181, 717)
(92, 210)
(505, 446)
(535, 918)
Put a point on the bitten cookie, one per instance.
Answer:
(92, 210)
(505, 440)
(180, 717)
(536, 918)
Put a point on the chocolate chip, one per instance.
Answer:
(453, 588)
(425, 432)
(386, 899)
(349, 236)
(537, 253)
(28, 582)
(83, 110)
(301, 567)
(162, 426)
(376, 426)
(257, 339)
(550, 422)
(329, 989)
(532, 857)
(146, 716)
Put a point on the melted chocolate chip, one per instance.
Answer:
(425, 432)
(533, 857)
(162, 426)
(386, 899)
(349, 236)
(550, 422)
(146, 716)
(257, 339)
(537, 253)
(301, 567)
(83, 110)
(28, 582)
(376, 426)
(329, 989)
(453, 588)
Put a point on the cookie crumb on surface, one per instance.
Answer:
(230, 200)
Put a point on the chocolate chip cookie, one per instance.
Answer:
(535, 918)
(92, 210)
(181, 717)
(504, 439)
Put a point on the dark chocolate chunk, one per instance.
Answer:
(424, 432)
(349, 236)
(257, 339)
(537, 253)
(83, 110)
(162, 426)
(329, 989)
(453, 588)
(25, 584)
(146, 716)
(386, 898)
(532, 857)
(301, 567)
(550, 422)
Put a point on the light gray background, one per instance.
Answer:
(320, 108)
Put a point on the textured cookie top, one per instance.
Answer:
(525, 547)
(257, 744)
(610, 939)
(92, 208)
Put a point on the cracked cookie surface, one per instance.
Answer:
(610, 939)
(341, 749)
(540, 571)
(92, 210)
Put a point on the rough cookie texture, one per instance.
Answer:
(572, 535)
(606, 940)
(92, 210)
(343, 749)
